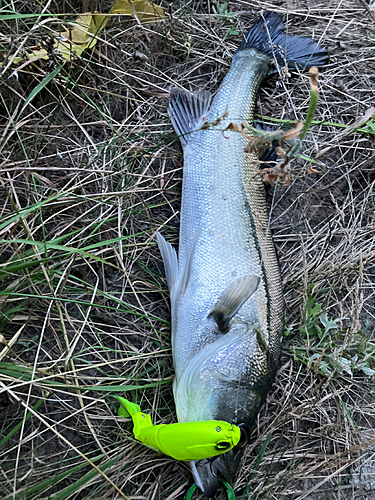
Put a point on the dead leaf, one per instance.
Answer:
(269, 178)
(292, 133)
(257, 145)
(280, 152)
(277, 174)
(311, 170)
(313, 74)
(146, 11)
(235, 127)
(288, 181)
(81, 33)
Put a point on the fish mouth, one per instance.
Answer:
(204, 477)
(206, 473)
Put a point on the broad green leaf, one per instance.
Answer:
(329, 324)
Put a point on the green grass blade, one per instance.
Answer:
(19, 425)
(314, 96)
(26, 493)
(41, 86)
(73, 488)
(9, 15)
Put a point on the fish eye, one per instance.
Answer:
(244, 438)
(222, 445)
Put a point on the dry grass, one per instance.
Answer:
(90, 169)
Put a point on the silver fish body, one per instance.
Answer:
(226, 294)
(223, 198)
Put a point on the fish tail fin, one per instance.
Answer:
(267, 35)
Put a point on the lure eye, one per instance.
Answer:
(223, 445)
(244, 438)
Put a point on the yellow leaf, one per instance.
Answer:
(78, 37)
(81, 33)
(146, 11)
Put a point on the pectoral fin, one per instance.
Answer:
(169, 256)
(177, 285)
(232, 299)
(189, 262)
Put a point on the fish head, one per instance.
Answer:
(206, 473)
(227, 380)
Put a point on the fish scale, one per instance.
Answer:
(226, 295)
(223, 195)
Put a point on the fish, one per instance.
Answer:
(227, 304)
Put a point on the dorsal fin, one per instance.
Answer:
(188, 111)
(232, 299)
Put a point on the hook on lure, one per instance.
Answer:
(184, 441)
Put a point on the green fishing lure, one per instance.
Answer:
(184, 441)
